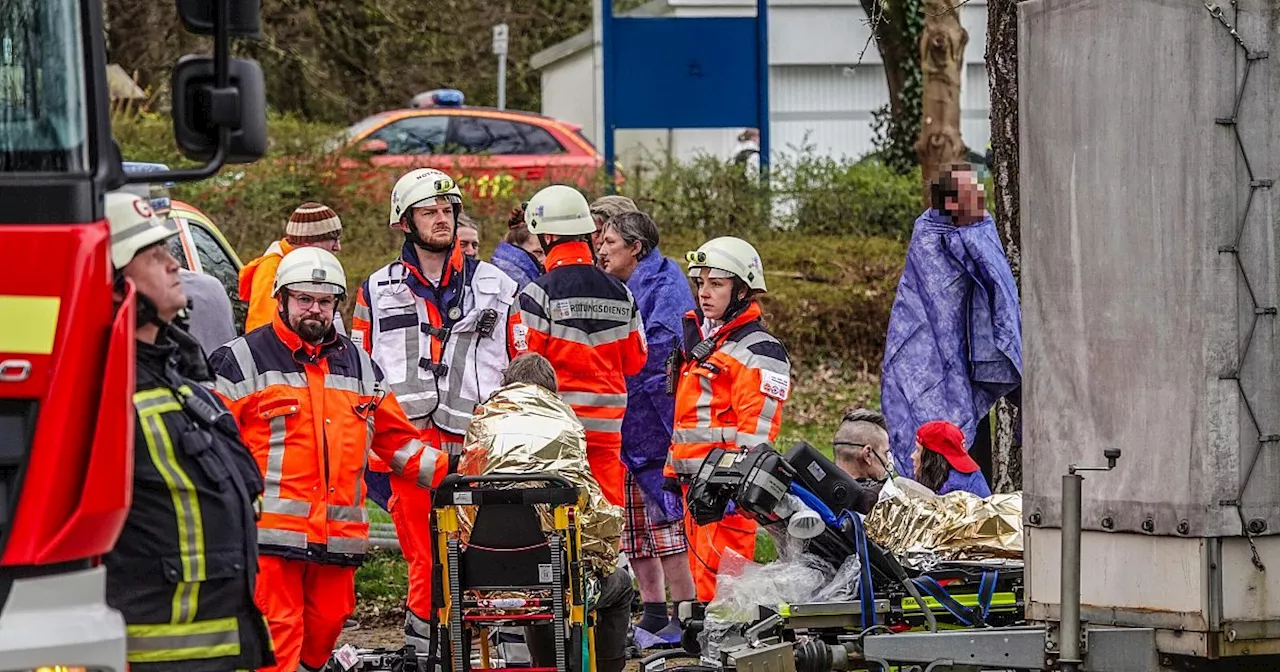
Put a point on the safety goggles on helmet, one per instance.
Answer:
(727, 256)
(698, 261)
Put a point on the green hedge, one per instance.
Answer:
(831, 233)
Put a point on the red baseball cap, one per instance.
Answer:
(947, 440)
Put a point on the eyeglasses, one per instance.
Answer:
(306, 302)
(887, 464)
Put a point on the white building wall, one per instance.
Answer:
(567, 93)
(820, 93)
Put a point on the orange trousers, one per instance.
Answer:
(608, 470)
(411, 512)
(306, 605)
(707, 544)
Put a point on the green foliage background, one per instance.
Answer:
(339, 60)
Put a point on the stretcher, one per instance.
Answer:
(507, 572)
(805, 495)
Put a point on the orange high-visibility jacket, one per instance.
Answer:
(310, 414)
(732, 397)
(586, 323)
(256, 280)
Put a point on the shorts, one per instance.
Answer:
(642, 540)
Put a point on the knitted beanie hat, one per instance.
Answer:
(312, 222)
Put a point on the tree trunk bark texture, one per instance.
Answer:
(1002, 73)
(893, 50)
(942, 46)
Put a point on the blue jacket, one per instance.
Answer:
(516, 263)
(973, 483)
(955, 332)
(662, 294)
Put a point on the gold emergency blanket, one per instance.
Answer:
(526, 429)
(910, 520)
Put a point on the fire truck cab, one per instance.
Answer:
(66, 327)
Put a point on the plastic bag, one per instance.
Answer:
(843, 586)
(742, 586)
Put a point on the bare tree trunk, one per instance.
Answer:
(1002, 73)
(941, 60)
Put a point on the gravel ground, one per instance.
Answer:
(387, 632)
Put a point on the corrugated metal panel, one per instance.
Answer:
(826, 88)
(819, 36)
(836, 139)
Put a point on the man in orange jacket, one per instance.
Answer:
(309, 404)
(311, 225)
(586, 323)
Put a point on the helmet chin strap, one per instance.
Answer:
(738, 303)
(145, 311)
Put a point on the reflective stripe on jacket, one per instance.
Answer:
(731, 399)
(391, 312)
(586, 323)
(310, 414)
(182, 573)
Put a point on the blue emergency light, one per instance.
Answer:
(438, 98)
(157, 194)
(143, 167)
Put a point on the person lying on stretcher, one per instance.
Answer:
(525, 427)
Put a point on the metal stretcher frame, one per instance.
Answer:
(567, 582)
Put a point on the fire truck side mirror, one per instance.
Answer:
(202, 111)
(198, 17)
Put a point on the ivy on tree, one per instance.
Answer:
(897, 26)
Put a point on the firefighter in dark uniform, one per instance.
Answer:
(183, 570)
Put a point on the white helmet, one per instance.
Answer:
(728, 257)
(559, 210)
(419, 188)
(134, 225)
(310, 269)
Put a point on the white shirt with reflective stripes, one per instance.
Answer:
(475, 363)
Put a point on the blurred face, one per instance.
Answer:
(532, 246)
(310, 314)
(714, 294)
(333, 245)
(915, 459)
(434, 224)
(615, 256)
(970, 196)
(154, 272)
(469, 241)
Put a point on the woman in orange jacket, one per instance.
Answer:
(732, 380)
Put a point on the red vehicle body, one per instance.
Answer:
(488, 151)
(67, 341)
(66, 349)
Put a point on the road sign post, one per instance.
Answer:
(500, 50)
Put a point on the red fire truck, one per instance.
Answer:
(66, 347)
